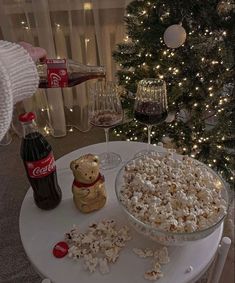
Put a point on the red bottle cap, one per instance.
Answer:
(60, 249)
(27, 117)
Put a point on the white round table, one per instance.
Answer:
(41, 230)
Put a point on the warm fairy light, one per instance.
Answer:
(46, 129)
(195, 104)
(210, 88)
(180, 84)
(161, 76)
(126, 38)
(58, 25)
(158, 66)
(195, 146)
(71, 109)
(71, 130)
(197, 88)
(27, 28)
(214, 160)
(87, 6)
(164, 52)
(22, 22)
(224, 33)
(211, 94)
(203, 59)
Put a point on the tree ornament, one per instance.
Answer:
(174, 36)
(170, 117)
(184, 115)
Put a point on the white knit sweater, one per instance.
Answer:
(18, 80)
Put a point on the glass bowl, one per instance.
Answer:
(167, 237)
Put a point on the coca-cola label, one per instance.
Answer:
(42, 167)
(57, 74)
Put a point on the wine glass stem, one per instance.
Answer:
(106, 131)
(149, 136)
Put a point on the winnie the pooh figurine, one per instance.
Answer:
(88, 187)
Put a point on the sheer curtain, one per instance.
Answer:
(86, 31)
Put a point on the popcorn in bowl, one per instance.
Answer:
(171, 198)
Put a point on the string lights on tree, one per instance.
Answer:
(196, 60)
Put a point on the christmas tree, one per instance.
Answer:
(199, 74)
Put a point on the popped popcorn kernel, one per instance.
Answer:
(174, 195)
(99, 246)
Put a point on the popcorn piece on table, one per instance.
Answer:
(143, 253)
(153, 275)
(90, 262)
(103, 266)
(160, 256)
(99, 246)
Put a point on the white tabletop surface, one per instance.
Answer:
(41, 230)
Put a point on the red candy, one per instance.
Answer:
(60, 249)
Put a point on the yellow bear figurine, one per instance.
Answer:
(88, 186)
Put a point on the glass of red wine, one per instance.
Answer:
(105, 111)
(150, 106)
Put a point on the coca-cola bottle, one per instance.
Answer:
(66, 73)
(39, 163)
